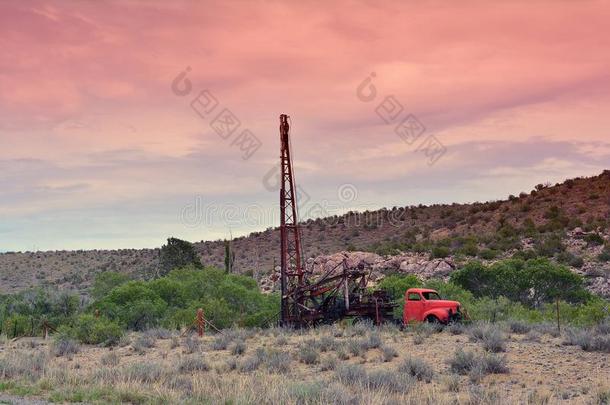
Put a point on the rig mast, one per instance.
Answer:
(291, 255)
(338, 293)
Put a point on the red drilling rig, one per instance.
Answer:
(340, 292)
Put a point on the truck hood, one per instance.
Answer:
(442, 304)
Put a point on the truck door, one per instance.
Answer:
(414, 307)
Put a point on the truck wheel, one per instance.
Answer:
(432, 319)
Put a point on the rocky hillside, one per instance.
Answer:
(568, 222)
(596, 273)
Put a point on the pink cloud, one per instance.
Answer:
(82, 79)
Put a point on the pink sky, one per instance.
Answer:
(97, 151)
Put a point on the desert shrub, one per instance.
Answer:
(360, 327)
(388, 380)
(532, 336)
(519, 327)
(604, 256)
(488, 254)
(549, 244)
(493, 364)
(143, 342)
(490, 336)
(192, 344)
(595, 343)
(342, 354)
(221, 342)
(417, 368)
(145, 372)
(547, 328)
(356, 347)
(231, 364)
(327, 343)
(308, 354)
(388, 353)
(250, 363)
(64, 346)
(277, 361)
(180, 383)
(16, 364)
(175, 342)
(328, 363)
(594, 239)
(238, 348)
(351, 374)
(574, 336)
(469, 249)
(570, 259)
(603, 327)
(440, 252)
(110, 359)
(159, 333)
(419, 338)
(192, 364)
(456, 328)
(464, 362)
(92, 330)
(373, 341)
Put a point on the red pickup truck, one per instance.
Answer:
(422, 304)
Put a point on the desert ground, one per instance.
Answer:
(360, 364)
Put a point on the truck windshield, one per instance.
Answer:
(432, 296)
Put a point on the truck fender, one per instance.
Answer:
(440, 314)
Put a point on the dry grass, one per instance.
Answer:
(308, 368)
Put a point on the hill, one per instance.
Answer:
(568, 222)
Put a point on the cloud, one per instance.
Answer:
(89, 124)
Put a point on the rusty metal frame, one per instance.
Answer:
(335, 295)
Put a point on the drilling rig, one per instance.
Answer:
(338, 293)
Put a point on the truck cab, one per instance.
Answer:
(422, 304)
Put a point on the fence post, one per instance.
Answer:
(200, 322)
(558, 323)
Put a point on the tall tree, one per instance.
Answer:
(175, 254)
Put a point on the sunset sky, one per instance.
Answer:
(101, 149)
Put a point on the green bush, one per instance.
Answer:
(549, 245)
(22, 314)
(469, 249)
(91, 330)
(105, 282)
(397, 284)
(570, 259)
(172, 301)
(488, 254)
(531, 282)
(594, 239)
(440, 252)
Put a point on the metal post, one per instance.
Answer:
(558, 323)
(200, 322)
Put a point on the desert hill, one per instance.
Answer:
(568, 222)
